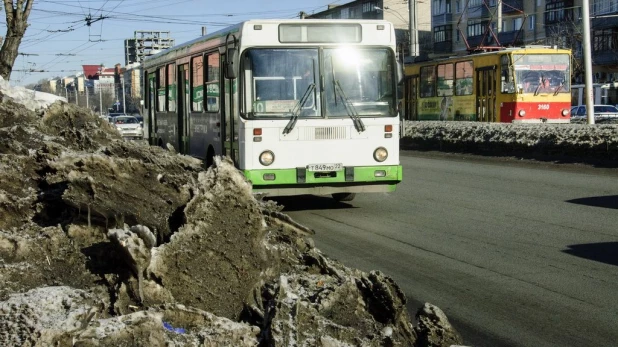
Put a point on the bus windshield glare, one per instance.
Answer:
(542, 73)
(358, 81)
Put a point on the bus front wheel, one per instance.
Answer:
(344, 196)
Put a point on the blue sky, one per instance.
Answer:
(59, 41)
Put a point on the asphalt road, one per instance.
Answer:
(516, 253)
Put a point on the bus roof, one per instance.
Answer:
(506, 50)
(185, 48)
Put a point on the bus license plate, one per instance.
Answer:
(325, 167)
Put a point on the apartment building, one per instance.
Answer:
(394, 11)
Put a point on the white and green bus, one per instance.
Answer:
(301, 106)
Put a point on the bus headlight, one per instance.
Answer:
(522, 113)
(380, 154)
(565, 113)
(267, 158)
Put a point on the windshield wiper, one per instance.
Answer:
(297, 108)
(559, 88)
(350, 109)
(538, 88)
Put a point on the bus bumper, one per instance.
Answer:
(543, 121)
(299, 181)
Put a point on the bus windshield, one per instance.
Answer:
(277, 79)
(283, 82)
(542, 73)
(358, 81)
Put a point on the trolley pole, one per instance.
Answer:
(587, 61)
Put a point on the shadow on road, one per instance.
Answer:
(604, 252)
(610, 201)
(309, 202)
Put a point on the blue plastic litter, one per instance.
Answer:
(169, 327)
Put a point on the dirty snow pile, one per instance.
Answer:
(573, 142)
(31, 99)
(105, 242)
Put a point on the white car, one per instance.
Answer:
(129, 127)
(602, 113)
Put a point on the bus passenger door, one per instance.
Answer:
(183, 108)
(486, 94)
(228, 118)
(411, 101)
(152, 109)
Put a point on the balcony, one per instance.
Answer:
(475, 41)
(609, 57)
(443, 47)
(508, 37)
(603, 23)
(512, 6)
(442, 19)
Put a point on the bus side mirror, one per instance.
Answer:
(399, 72)
(230, 57)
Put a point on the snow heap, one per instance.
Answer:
(597, 144)
(117, 243)
(31, 99)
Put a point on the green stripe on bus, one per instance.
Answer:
(361, 175)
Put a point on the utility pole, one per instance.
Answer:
(76, 97)
(87, 103)
(100, 99)
(587, 61)
(124, 102)
(413, 29)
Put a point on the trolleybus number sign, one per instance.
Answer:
(325, 167)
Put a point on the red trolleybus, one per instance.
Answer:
(512, 85)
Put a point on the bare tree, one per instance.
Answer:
(16, 24)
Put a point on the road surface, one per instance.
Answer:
(516, 253)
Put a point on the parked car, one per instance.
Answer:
(601, 113)
(129, 127)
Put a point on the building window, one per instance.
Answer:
(538, 3)
(557, 12)
(354, 12)
(345, 13)
(475, 3)
(443, 33)
(369, 7)
(475, 27)
(605, 40)
(604, 7)
(517, 24)
(441, 7)
(531, 22)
